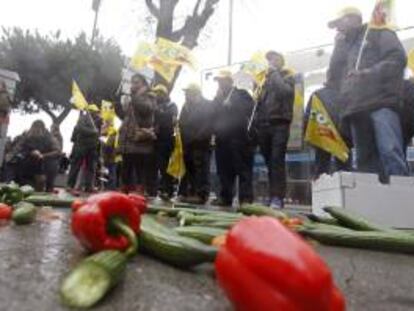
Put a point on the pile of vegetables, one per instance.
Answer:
(13, 205)
(111, 225)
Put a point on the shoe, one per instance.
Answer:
(276, 203)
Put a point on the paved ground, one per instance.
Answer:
(34, 258)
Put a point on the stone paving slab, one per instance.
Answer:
(34, 259)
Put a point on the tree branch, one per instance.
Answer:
(63, 115)
(196, 8)
(153, 9)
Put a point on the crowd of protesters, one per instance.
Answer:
(367, 97)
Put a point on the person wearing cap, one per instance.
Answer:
(85, 155)
(370, 95)
(274, 115)
(196, 128)
(233, 150)
(165, 119)
(137, 136)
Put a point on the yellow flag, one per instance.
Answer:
(174, 53)
(166, 70)
(143, 55)
(78, 99)
(411, 60)
(176, 166)
(257, 67)
(322, 133)
(107, 111)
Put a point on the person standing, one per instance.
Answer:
(196, 127)
(274, 115)
(166, 119)
(234, 150)
(137, 139)
(373, 92)
(52, 164)
(85, 148)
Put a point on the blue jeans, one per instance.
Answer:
(378, 140)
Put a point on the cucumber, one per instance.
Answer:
(167, 245)
(221, 224)
(352, 220)
(322, 220)
(27, 190)
(173, 211)
(189, 219)
(203, 234)
(50, 200)
(92, 279)
(373, 240)
(261, 210)
(24, 213)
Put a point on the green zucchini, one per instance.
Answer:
(190, 219)
(27, 190)
(92, 279)
(173, 211)
(50, 200)
(261, 210)
(167, 245)
(203, 234)
(24, 213)
(373, 240)
(353, 221)
(322, 220)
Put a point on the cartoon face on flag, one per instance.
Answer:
(322, 133)
(164, 57)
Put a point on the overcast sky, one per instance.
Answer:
(283, 25)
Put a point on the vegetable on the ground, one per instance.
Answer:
(322, 219)
(107, 220)
(387, 241)
(353, 221)
(27, 190)
(11, 194)
(5, 211)
(92, 278)
(24, 213)
(202, 233)
(261, 210)
(219, 241)
(167, 245)
(252, 268)
(174, 211)
(50, 200)
(190, 219)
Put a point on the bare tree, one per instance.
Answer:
(189, 33)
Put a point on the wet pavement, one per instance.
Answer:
(34, 259)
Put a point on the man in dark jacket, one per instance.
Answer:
(165, 119)
(234, 151)
(85, 154)
(274, 115)
(196, 127)
(372, 93)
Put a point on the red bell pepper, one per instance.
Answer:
(140, 201)
(5, 211)
(265, 266)
(108, 220)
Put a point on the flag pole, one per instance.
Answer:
(362, 48)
